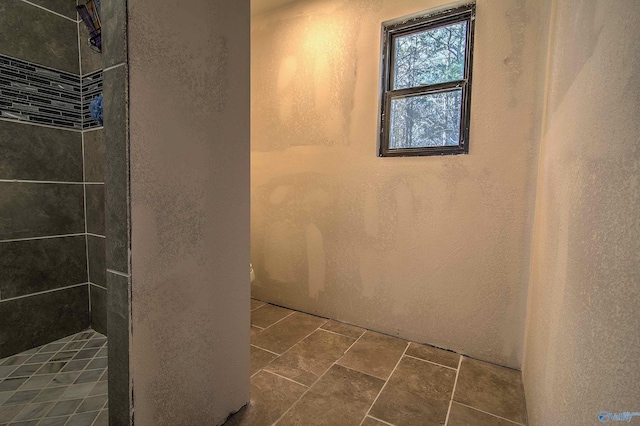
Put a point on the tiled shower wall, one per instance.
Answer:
(51, 240)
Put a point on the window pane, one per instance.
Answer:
(426, 120)
(430, 57)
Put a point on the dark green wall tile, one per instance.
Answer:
(118, 306)
(91, 60)
(98, 297)
(97, 268)
(94, 155)
(114, 32)
(33, 266)
(116, 168)
(63, 7)
(40, 209)
(32, 321)
(95, 209)
(32, 34)
(40, 153)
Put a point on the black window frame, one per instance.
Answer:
(429, 21)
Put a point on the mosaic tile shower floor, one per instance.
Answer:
(61, 383)
(307, 370)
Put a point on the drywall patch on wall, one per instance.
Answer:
(517, 21)
(313, 79)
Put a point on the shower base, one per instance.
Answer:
(60, 383)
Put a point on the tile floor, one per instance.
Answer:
(61, 383)
(308, 370)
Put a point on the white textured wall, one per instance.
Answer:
(582, 352)
(434, 249)
(189, 117)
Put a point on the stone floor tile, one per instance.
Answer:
(94, 403)
(490, 388)
(50, 394)
(344, 329)
(8, 412)
(22, 397)
(64, 408)
(341, 397)
(374, 354)
(417, 393)
(78, 391)
(54, 421)
(271, 397)
(268, 315)
(37, 382)
(286, 333)
(370, 421)
(102, 419)
(83, 419)
(461, 415)
(33, 411)
(12, 383)
(260, 358)
(430, 353)
(309, 359)
(255, 304)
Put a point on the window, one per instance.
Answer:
(426, 84)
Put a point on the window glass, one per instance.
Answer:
(429, 57)
(429, 120)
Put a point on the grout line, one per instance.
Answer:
(42, 292)
(114, 66)
(455, 383)
(258, 307)
(297, 343)
(93, 128)
(122, 274)
(286, 378)
(41, 238)
(31, 123)
(492, 415)
(287, 316)
(333, 332)
(96, 235)
(50, 11)
(40, 181)
(359, 372)
(266, 350)
(385, 383)
(84, 201)
(255, 326)
(431, 362)
(317, 380)
(97, 285)
(380, 420)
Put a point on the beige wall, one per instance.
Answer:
(582, 349)
(433, 249)
(189, 116)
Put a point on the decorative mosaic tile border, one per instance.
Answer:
(37, 94)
